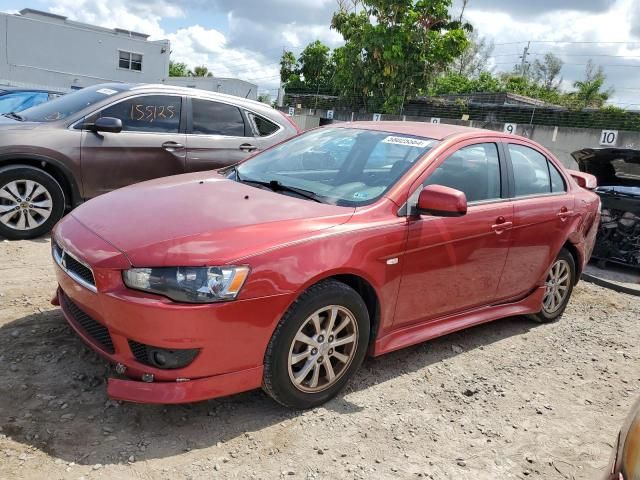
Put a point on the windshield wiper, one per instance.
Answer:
(277, 186)
(14, 115)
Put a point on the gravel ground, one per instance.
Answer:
(511, 399)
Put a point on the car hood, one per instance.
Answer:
(7, 123)
(202, 219)
(611, 166)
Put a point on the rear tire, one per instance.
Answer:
(559, 286)
(318, 345)
(31, 202)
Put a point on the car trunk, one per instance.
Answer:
(618, 174)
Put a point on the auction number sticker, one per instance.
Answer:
(407, 142)
(106, 91)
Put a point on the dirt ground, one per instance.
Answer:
(511, 399)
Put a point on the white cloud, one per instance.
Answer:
(561, 31)
(258, 30)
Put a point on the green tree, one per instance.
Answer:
(314, 64)
(394, 48)
(178, 69)
(288, 66)
(547, 72)
(474, 59)
(589, 92)
(201, 71)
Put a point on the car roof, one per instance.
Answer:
(436, 131)
(155, 87)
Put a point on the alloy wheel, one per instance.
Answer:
(557, 286)
(24, 204)
(323, 349)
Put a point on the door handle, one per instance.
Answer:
(501, 225)
(564, 213)
(172, 146)
(247, 147)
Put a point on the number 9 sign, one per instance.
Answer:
(510, 128)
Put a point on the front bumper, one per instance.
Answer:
(231, 337)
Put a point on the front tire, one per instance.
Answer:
(31, 202)
(318, 345)
(559, 286)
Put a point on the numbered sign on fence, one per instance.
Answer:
(609, 137)
(330, 114)
(510, 127)
(435, 120)
(292, 111)
(377, 117)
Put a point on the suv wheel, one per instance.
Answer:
(558, 288)
(31, 202)
(317, 346)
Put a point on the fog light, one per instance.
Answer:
(120, 368)
(147, 377)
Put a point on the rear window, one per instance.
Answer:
(215, 118)
(263, 126)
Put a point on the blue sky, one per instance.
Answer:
(245, 38)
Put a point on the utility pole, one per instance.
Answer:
(524, 65)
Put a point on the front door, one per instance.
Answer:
(454, 264)
(150, 144)
(542, 212)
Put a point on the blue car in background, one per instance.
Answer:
(18, 99)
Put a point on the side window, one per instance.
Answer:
(263, 126)
(150, 113)
(557, 182)
(474, 170)
(214, 118)
(533, 173)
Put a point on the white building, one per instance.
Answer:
(48, 51)
(44, 50)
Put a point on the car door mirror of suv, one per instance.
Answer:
(108, 124)
(441, 201)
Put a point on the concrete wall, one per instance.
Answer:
(50, 51)
(230, 86)
(561, 141)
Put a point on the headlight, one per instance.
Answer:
(189, 284)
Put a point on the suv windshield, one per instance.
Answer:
(66, 105)
(341, 166)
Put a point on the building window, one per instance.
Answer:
(130, 61)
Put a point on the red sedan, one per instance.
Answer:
(287, 269)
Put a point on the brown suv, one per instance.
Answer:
(57, 154)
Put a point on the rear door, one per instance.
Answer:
(150, 145)
(221, 134)
(542, 212)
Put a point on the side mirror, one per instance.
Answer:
(108, 124)
(442, 201)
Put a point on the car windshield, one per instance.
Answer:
(62, 107)
(341, 166)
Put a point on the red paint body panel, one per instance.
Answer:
(431, 275)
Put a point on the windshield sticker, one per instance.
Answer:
(407, 141)
(106, 91)
(361, 195)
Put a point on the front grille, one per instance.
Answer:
(162, 358)
(76, 270)
(99, 333)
